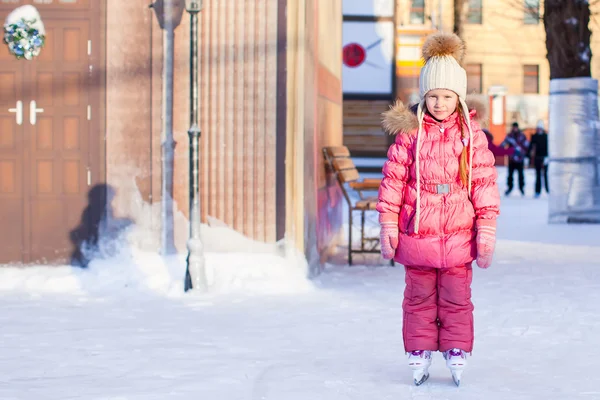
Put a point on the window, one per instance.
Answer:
(474, 84)
(531, 79)
(417, 12)
(474, 15)
(532, 12)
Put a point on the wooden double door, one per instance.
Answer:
(51, 138)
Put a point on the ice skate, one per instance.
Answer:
(419, 361)
(456, 360)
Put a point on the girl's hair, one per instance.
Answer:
(463, 170)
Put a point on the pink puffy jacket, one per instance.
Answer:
(446, 228)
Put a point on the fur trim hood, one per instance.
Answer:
(402, 119)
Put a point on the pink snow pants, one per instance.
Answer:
(438, 313)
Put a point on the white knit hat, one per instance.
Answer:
(540, 124)
(443, 53)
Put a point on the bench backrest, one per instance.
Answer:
(342, 165)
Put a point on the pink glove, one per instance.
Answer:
(389, 240)
(486, 241)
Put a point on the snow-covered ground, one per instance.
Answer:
(123, 330)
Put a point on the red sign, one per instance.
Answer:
(354, 55)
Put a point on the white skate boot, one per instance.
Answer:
(456, 360)
(419, 361)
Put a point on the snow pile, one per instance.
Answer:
(129, 269)
(234, 263)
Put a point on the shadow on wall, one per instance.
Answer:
(97, 221)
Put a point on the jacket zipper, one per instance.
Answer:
(442, 244)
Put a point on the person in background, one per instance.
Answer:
(539, 148)
(518, 142)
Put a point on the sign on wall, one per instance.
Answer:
(372, 8)
(368, 57)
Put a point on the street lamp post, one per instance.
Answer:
(196, 273)
(168, 13)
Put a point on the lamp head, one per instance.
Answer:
(194, 6)
(168, 13)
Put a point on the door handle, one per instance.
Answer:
(33, 110)
(18, 110)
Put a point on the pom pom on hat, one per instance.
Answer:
(444, 44)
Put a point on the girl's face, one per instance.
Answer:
(441, 103)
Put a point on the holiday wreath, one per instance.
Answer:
(24, 33)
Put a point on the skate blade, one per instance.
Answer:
(456, 381)
(456, 377)
(422, 380)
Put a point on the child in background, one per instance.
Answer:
(517, 141)
(438, 204)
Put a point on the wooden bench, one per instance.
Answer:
(341, 165)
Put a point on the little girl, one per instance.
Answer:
(438, 204)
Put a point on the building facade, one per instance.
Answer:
(506, 63)
(107, 102)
